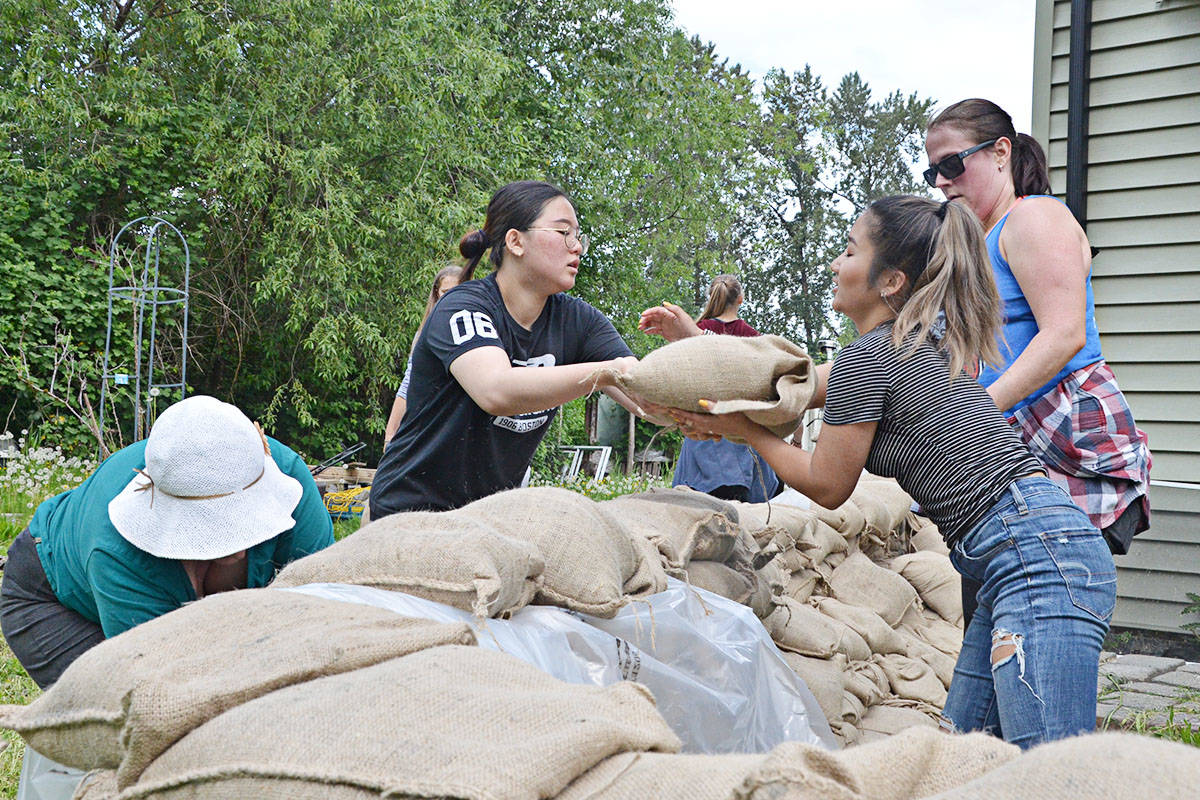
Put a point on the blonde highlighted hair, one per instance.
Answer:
(940, 249)
(724, 291)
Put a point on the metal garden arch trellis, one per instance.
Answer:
(148, 296)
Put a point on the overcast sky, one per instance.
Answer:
(945, 49)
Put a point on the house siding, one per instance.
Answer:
(1143, 213)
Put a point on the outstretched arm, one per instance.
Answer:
(501, 389)
(827, 475)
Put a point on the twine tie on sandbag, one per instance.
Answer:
(149, 487)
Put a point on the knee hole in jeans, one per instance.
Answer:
(1004, 647)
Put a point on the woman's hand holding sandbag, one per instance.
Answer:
(668, 321)
(714, 426)
(620, 366)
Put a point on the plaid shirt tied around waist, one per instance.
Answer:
(1085, 434)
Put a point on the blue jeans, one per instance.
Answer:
(1027, 670)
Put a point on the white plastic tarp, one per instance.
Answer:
(717, 677)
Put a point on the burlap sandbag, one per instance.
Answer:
(100, 784)
(926, 536)
(790, 518)
(824, 677)
(639, 776)
(767, 377)
(861, 582)
(593, 563)
(719, 579)
(883, 503)
(1113, 766)
(862, 685)
(941, 664)
(770, 581)
(802, 549)
(929, 626)
(886, 720)
(847, 519)
(803, 629)
(454, 560)
(682, 531)
(450, 722)
(126, 700)
(912, 679)
(800, 585)
(762, 520)
(852, 707)
(846, 734)
(936, 580)
(907, 766)
(875, 674)
(880, 636)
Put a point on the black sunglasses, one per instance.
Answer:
(952, 166)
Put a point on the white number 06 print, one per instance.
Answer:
(467, 324)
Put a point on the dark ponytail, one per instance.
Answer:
(514, 206)
(982, 120)
(1029, 167)
(941, 251)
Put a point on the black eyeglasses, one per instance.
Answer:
(952, 166)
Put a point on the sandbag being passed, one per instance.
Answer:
(767, 377)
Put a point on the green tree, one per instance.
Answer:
(833, 153)
(323, 158)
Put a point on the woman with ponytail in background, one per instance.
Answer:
(725, 469)
(496, 357)
(899, 402)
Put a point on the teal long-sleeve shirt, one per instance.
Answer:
(94, 571)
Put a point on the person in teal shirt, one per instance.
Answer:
(207, 503)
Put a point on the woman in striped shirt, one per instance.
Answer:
(899, 403)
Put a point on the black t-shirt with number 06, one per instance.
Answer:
(449, 451)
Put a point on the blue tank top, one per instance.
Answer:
(1020, 325)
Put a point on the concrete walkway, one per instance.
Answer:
(1147, 691)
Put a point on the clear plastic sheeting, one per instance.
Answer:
(43, 779)
(717, 677)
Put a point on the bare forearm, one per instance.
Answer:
(1047, 353)
(527, 389)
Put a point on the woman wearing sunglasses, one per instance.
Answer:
(1053, 383)
(476, 409)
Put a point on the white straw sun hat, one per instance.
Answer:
(210, 488)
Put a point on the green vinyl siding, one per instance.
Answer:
(1143, 213)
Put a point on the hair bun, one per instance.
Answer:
(474, 244)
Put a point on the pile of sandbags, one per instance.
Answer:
(699, 539)
(495, 556)
(275, 694)
(871, 623)
(267, 693)
(871, 615)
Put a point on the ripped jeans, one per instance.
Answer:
(1028, 666)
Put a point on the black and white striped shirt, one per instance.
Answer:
(945, 442)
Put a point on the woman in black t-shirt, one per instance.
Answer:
(476, 411)
(899, 403)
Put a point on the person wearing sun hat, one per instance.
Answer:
(206, 503)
